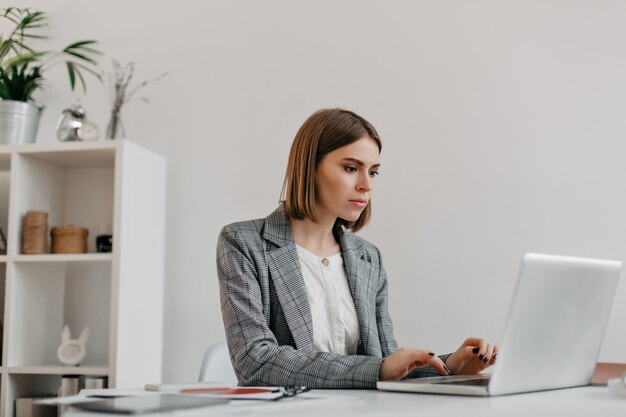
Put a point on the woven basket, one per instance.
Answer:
(35, 218)
(69, 239)
(35, 233)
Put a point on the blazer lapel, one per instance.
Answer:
(284, 269)
(360, 274)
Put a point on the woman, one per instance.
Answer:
(304, 300)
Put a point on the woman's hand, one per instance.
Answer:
(402, 362)
(474, 356)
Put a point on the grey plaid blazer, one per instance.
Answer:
(266, 311)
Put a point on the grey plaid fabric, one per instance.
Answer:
(266, 311)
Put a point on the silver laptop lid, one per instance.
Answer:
(556, 323)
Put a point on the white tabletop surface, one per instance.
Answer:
(585, 401)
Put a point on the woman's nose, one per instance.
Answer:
(364, 184)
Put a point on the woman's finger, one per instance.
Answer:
(429, 358)
(495, 355)
(482, 348)
(489, 353)
(471, 341)
(479, 343)
(479, 350)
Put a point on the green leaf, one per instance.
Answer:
(81, 51)
(90, 50)
(72, 73)
(32, 19)
(25, 58)
(82, 80)
(5, 47)
(80, 56)
(31, 87)
(21, 45)
(81, 43)
(89, 70)
(25, 35)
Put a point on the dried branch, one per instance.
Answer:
(119, 86)
(119, 81)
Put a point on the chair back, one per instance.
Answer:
(216, 365)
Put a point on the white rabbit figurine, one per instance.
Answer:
(71, 352)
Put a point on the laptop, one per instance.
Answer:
(553, 333)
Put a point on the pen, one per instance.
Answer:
(230, 391)
(294, 390)
(106, 397)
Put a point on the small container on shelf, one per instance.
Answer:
(35, 232)
(95, 382)
(3, 243)
(70, 385)
(104, 243)
(69, 239)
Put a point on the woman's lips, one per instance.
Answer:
(359, 202)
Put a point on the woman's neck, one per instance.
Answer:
(316, 237)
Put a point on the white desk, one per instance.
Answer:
(587, 402)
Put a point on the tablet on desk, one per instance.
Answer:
(149, 404)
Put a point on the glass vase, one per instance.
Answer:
(115, 128)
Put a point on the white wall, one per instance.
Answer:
(502, 122)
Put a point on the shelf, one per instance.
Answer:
(107, 187)
(69, 154)
(58, 370)
(64, 258)
(60, 146)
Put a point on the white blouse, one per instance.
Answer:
(335, 324)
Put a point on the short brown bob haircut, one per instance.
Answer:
(322, 133)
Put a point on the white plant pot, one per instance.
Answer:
(18, 122)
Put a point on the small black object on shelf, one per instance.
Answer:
(104, 243)
(3, 243)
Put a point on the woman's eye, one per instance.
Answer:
(374, 173)
(351, 169)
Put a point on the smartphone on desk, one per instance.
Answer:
(149, 404)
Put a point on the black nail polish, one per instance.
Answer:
(486, 360)
(431, 354)
(475, 350)
(481, 356)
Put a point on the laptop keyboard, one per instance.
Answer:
(482, 382)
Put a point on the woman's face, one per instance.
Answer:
(345, 179)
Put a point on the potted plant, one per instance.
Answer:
(22, 71)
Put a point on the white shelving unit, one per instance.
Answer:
(113, 186)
